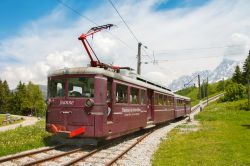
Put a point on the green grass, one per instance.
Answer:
(24, 138)
(192, 92)
(2, 117)
(223, 139)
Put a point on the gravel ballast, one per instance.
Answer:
(142, 153)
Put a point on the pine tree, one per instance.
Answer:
(237, 76)
(1, 97)
(246, 69)
(20, 100)
(35, 98)
(6, 97)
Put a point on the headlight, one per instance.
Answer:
(89, 103)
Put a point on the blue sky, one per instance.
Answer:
(166, 5)
(14, 14)
(39, 36)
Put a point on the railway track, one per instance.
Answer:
(105, 155)
(63, 155)
(35, 157)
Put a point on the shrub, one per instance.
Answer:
(234, 91)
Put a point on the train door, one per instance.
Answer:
(150, 105)
(109, 100)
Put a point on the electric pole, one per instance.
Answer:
(207, 90)
(139, 59)
(248, 88)
(203, 89)
(223, 84)
(199, 84)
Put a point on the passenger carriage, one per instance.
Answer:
(97, 103)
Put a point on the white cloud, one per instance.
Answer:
(51, 42)
(240, 49)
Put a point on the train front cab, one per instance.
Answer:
(104, 107)
(76, 104)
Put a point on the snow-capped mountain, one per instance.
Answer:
(224, 70)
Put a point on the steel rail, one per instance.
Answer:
(52, 157)
(82, 157)
(130, 147)
(28, 154)
(85, 156)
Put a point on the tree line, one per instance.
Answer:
(236, 87)
(24, 100)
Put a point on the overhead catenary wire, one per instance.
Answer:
(93, 22)
(130, 30)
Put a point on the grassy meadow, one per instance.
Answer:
(193, 92)
(223, 138)
(24, 138)
(2, 118)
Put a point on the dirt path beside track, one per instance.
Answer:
(27, 122)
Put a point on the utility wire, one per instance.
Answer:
(187, 59)
(146, 54)
(190, 49)
(81, 15)
(130, 30)
(132, 33)
(78, 13)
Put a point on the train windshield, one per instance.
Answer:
(57, 88)
(81, 87)
(77, 87)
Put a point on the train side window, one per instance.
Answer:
(160, 100)
(156, 99)
(164, 100)
(121, 93)
(134, 95)
(143, 101)
(170, 101)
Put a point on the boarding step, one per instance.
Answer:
(150, 124)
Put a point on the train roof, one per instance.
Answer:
(131, 78)
(181, 97)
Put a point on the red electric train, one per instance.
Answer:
(103, 102)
